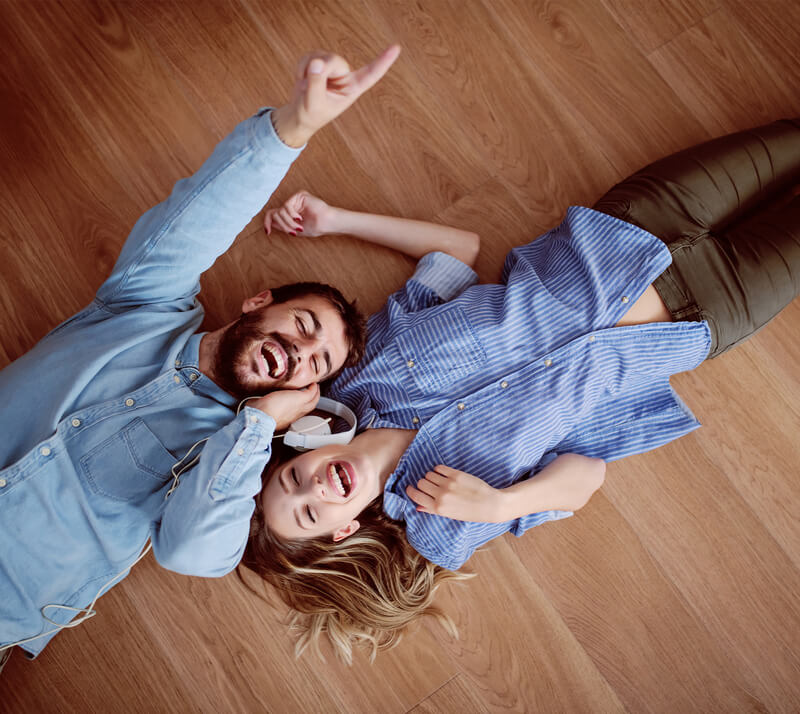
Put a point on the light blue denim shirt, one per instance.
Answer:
(96, 414)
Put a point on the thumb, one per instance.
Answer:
(317, 81)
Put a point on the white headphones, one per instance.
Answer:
(311, 432)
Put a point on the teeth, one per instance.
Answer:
(334, 476)
(277, 357)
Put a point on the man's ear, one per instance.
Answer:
(263, 299)
(348, 530)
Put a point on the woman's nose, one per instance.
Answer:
(318, 486)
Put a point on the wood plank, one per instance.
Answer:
(626, 612)
(578, 50)
(736, 80)
(652, 24)
(453, 696)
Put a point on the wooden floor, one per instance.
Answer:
(676, 588)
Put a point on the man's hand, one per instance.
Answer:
(302, 213)
(287, 405)
(324, 87)
(455, 494)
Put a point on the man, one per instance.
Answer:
(97, 414)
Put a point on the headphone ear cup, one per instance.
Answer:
(311, 425)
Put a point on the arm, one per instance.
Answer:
(565, 484)
(309, 215)
(174, 242)
(205, 524)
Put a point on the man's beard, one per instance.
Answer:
(233, 363)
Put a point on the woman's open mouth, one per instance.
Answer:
(340, 476)
(274, 359)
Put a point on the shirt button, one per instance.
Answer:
(504, 384)
(254, 419)
(176, 379)
(591, 338)
(625, 298)
(193, 376)
(415, 420)
(548, 362)
(410, 363)
(177, 363)
(461, 406)
(45, 451)
(240, 452)
(129, 402)
(3, 482)
(76, 422)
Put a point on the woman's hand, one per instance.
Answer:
(456, 494)
(324, 87)
(287, 405)
(302, 213)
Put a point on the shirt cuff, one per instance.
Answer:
(445, 275)
(264, 133)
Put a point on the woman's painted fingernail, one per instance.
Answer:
(300, 229)
(292, 233)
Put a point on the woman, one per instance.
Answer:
(561, 368)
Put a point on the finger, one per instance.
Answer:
(428, 487)
(436, 478)
(287, 220)
(420, 498)
(445, 471)
(312, 394)
(369, 75)
(279, 224)
(268, 222)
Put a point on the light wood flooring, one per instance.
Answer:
(676, 588)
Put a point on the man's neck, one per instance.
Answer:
(209, 344)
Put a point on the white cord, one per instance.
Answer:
(89, 611)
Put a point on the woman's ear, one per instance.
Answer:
(348, 530)
(263, 299)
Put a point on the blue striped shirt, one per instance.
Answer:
(499, 379)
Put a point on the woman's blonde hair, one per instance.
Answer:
(363, 590)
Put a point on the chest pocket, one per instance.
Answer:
(441, 350)
(128, 466)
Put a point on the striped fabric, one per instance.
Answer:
(499, 379)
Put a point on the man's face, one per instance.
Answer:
(280, 345)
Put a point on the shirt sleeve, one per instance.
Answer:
(177, 240)
(206, 521)
(439, 277)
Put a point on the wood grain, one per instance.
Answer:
(675, 588)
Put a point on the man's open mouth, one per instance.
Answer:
(275, 359)
(340, 478)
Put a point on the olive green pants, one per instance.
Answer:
(729, 211)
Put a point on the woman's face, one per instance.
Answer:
(320, 492)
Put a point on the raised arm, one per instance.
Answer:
(565, 484)
(174, 242)
(311, 216)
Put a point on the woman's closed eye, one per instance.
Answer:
(294, 478)
(310, 514)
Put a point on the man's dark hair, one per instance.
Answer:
(355, 326)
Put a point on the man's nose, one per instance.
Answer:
(305, 348)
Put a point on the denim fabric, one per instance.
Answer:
(97, 413)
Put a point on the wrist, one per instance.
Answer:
(337, 221)
(289, 128)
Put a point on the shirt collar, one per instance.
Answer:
(189, 358)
